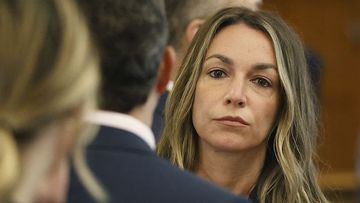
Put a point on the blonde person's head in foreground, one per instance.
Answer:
(242, 112)
(49, 79)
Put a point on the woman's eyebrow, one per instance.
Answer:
(264, 66)
(222, 58)
(229, 61)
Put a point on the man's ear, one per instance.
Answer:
(165, 69)
(192, 28)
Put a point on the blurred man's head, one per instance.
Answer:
(186, 16)
(131, 37)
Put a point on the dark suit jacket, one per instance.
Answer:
(158, 116)
(131, 172)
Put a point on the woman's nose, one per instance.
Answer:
(236, 95)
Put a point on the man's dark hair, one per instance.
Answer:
(179, 14)
(131, 36)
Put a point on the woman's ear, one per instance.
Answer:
(166, 66)
(192, 28)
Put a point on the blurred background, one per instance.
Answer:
(330, 29)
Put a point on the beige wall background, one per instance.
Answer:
(332, 29)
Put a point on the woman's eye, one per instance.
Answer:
(262, 82)
(217, 73)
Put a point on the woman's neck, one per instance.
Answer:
(237, 172)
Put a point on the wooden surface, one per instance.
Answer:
(332, 29)
(344, 181)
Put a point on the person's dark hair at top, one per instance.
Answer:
(188, 10)
(181, 13)
(129, 61)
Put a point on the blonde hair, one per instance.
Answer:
(48, 72)
(289, 173)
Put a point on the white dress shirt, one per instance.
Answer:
(170, 85)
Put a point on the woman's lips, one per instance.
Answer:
(232, 121)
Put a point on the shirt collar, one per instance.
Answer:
(170, 85)
(124, 122)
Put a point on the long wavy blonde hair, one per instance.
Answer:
(48, 72)
(289, 173)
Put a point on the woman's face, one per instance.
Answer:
(237, 94)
